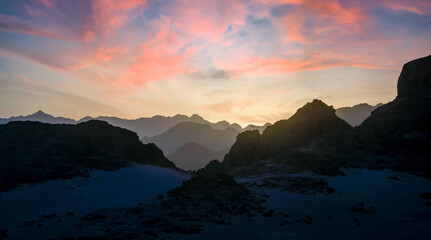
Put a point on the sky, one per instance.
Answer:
(250, 61)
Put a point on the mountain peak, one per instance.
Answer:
(197, 117)
(39, 113)
(314, 109)
(415, 78)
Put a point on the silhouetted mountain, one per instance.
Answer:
(221, 125)
(236, 126)
(309, 124)
(225, 124)
(85, 119)
(357, 114)
(39, 116)
(397, 135)
(255, 127)
(202, 134)
(192, 156)
(34, 151)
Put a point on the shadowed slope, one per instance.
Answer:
(34, 152)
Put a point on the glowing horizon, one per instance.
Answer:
(251, 61)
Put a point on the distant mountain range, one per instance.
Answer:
(193, 156)
(144, 127)
(39, 116)
(357, 114)
(152, 126)
(203, 134)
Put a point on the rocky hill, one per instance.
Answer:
(308, 125)
(34, 151)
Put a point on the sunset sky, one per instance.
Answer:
(251, 61)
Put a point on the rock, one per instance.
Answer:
(360, 208)
(268, 213)
(216, 165)
(69, 214)
(49, 216)
(415, 78)
(3, 233)
(243, 150)
(299, 185)
(426, 196)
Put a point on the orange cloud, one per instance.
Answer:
(109, 15)
(313, 21)
(206, 19)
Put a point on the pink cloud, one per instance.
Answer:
(414, 6)
(207, 19)
(72, 21)
(47, 3)
(329, 19)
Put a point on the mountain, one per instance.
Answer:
(35, 152)
(39, 116)
(203, 134)
(357, 114)
(396, 136)
(192, 156)
(309, 124)
(255, 127)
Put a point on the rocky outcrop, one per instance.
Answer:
(400, 130)
(415, 78)
(310, 122)
(34, 151)
(243, 150)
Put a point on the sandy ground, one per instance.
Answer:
(400, 213)
(388, 202)
(22, 210)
